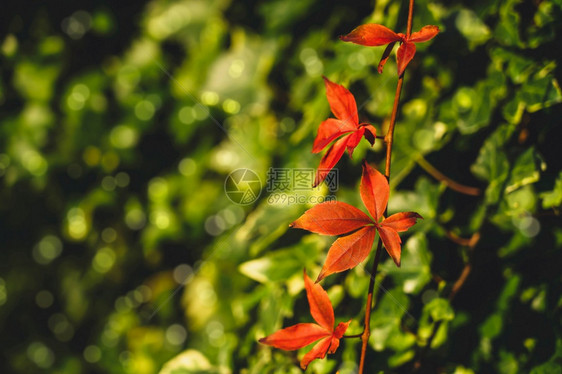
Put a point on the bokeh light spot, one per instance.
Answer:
(236, 68)
(44, 299)
(187, 166)
(210, 98)
(92, 354)
(176, 334)
(144, 110)
(231, 106)
(135, 219)
(41, 355)
(186, 115)
(104, 260)
(122, 179)
(109, 235)
(123, 136)
(182, 273)
(48, 249)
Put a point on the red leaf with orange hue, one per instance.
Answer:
(339, 218)
(296, 336)
(320, 306)
(377, 35)
(303, 334)
(425, 34)
(348, 251)
(332, 218)
(392, 243)
(318, 351)
(342, 103)
(330, 130)
(404, 55)
(330, 159)
(374, 191)
(372, 35)
(401, 221)
(347, 126)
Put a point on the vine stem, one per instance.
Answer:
(389, 138)
(456, 186)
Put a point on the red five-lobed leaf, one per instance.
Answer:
(337, 218)
(345, 128)
(303, 334)
(377, 35)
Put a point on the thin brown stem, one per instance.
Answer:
(467, 267)
(410, 18)
(368, 308)
(389, 138)
(467, 242)
(431, 170)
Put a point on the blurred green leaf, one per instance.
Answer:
(189, 362)
(492, 164)
(553, 198)
(282, 264)
(525, 170)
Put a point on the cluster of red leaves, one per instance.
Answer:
(303, 334)
(376, 35)
(346, 127)
(338, 218)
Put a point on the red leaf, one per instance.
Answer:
(354, 140)
(320, 306)
(391, 241)
(426, 33)
(337, 335)
(401, 221)
(328, 131)
(374, 191)
(303, 334)
(348, 251)
(342, 103)
(297, 336)
(370, 133)
(404, 55)
(385, 56)
(318, 351)
(332, 218)
(341, 329)
(330, 159)
(371, 35)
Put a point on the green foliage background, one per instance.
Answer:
(121, 252)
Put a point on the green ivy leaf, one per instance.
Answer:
(189, 362)
(282, 264)
(525, 170)
(492, 164)
(472, 27)
(553, 198)
(415, 271)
